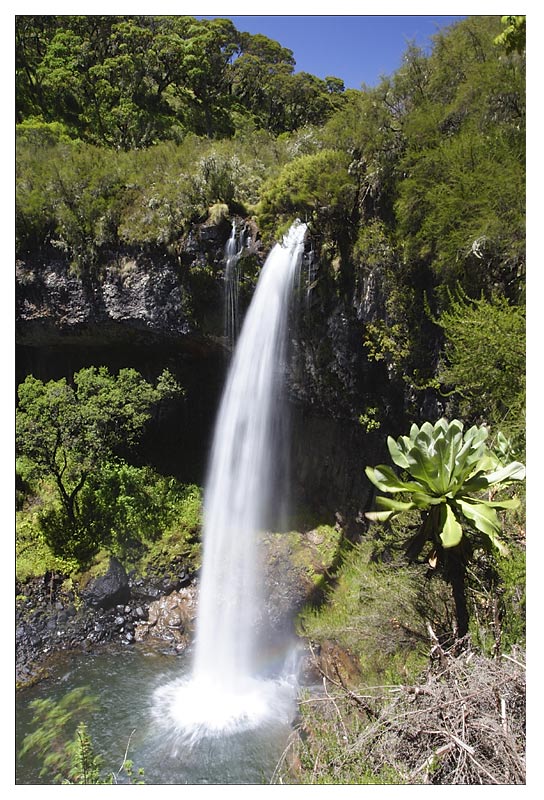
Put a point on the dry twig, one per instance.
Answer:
(465, 724)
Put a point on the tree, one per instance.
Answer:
(306, 100)
(449, 469)
(366, 127)
(68, 431)
(128, 81)
(98, 73)
(461, 199)
(261, 68)
(32, 37)
(210, 48)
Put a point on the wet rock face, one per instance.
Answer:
(137, 299)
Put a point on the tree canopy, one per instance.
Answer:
(131, 81)
(68, 431)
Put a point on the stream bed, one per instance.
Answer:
(125, 681)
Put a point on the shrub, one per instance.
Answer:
(316, 186)
(484, 360)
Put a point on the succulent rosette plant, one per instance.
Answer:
(451, 476)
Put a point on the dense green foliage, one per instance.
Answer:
(69, 432)
(513, 36)
(449, 470)
(147, 520)
(316, 187)
(88, 203)
(484, 361)
(131, 81)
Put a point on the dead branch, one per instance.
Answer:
(463, 725)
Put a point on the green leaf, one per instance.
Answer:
(397, 454)
(388, 508)
(423, 500)
(444, 451)
(485, 519)
(451, 532)
(395, 505)
(425, 468)
(515, 471)
(483, 516)
(476, 483)
(386, 480)
(512, 502)
(379, 516)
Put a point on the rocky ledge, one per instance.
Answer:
(113, 608)
(127, 609)
(162, 297)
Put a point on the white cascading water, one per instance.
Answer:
(233, 251)
(224, 693)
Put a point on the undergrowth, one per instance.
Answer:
(377, 613)
(461, 723)
(152, 522)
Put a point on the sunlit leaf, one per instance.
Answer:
(511, 472)
(397, 454)
(451, 532)
(386, 480)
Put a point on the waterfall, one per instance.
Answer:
(225, 692)
(233, 251)
(240, 477)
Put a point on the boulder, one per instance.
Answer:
(110, 589)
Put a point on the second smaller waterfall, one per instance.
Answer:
(233, 251)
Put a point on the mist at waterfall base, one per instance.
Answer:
(227, 693)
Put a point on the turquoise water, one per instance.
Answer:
(125, 681)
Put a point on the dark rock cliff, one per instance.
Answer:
(141, 310)
(165, 310)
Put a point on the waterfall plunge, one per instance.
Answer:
(224, 693)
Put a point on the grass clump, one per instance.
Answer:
(373, 611)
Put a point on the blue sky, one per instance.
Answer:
(357, 48)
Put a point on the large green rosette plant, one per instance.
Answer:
(448, 471)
